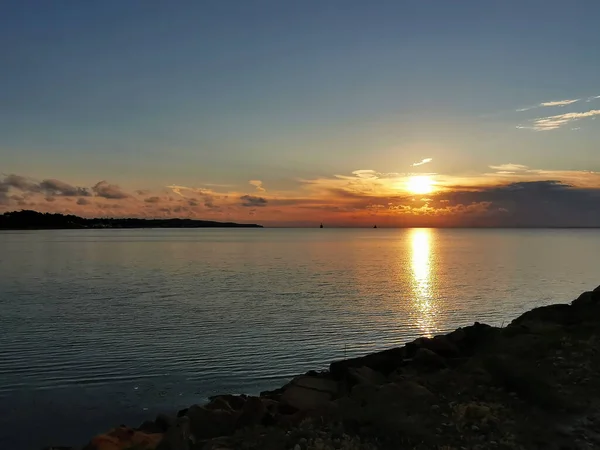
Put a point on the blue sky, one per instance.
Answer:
(155, 93)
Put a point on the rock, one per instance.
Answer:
(123, 438)
(177, 436)
(457, 336)
(410, 391)
(440, 345)
(317, 383)
(384, 362)
(208, 423)
(556, 314)
(477, 335)
(302, 398)
(149, 426)
(253, 413)
(366, 375)
(588, 298)
(164, 422)
(227, 401)
(364, 393)
(307, 392)
(428, 359)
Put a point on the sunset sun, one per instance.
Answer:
(421, 184)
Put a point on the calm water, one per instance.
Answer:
(102, 327)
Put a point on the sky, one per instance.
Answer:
(293, 113)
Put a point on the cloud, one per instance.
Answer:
(60, 188)
(366, 174)
(258, 185)
(550, 104)
(83, 201)
(509, 168)
(19, 182)
(180, 189)
(109, 191)
(560, 102)
(208, 195)
(423, 161)
(253, 201)
(592, 98)
(152, 200)
(557, 121)
(537, 203)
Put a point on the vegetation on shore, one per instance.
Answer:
(33, 220)
(530, 385)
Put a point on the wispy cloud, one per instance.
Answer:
(550, 104)
(423, 161)
(560, 102)
(258, 185)
(592, 98)
(509, 168)
(557, 121)
(177, 189)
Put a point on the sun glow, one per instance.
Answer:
(421, 184)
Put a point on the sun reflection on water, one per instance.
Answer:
(422, 283)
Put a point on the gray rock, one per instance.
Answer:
(440, 345)
(308, 392)
(366, 375)
(177, 437)
(428, 359)
(164, 422)
(253, 412)
(588, 298)
(206, 423)
(304, 399)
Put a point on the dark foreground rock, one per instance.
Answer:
(531, 385)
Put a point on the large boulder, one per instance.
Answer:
(253, 412)
(441, 345)
(385, 362)
(561, 314)
(590, 298)
(124, 438)
(177, 436)
(365, 375)
(427, 359)
(208, 423)
(306, 392)
(227, 401)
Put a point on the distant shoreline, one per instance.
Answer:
(33, 220)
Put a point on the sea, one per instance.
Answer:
(106, 327)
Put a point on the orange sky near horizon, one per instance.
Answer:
(504, 195)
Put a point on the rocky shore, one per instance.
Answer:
(531, 385)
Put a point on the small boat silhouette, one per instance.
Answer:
(374, 226)
(321, 226)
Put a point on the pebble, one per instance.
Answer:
(475, 428)
(297, 447)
